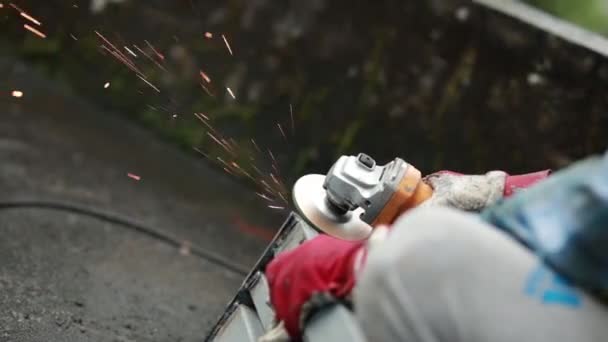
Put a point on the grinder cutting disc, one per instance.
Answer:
(310, 199)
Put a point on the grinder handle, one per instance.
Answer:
(410, 192)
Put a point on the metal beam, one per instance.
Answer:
(548, 23)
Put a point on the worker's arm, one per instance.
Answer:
(476, 192)
(324, 268)
(316, 272)
(564, 220)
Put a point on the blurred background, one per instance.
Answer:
(413, 79)
(196, 116)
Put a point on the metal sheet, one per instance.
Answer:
(242, 326)
(260, 294)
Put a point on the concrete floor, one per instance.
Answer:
(68, 277)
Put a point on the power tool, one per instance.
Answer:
(357, 195)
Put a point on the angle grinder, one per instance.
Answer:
(357, 195)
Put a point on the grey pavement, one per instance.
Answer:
(69, 277)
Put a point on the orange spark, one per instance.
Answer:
(118, 54)
(148, 83)
(131, 52)
(230, 172)
(283, 198)
(282, 132)
(15, 7)
(160, 55)
(272, 156)
(264, 197)
(256, 146)
(150, 58)
(293, 124)
(218, 142)
(202, 114)
(133, 176)
(30, 18)
(230, 92)
(208, 35)
(275, 179)
(227, 45)
(205, 77)
(227, 144)
(207, 90)
(17, 93)
(34, 31)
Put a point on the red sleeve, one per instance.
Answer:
(514, 183)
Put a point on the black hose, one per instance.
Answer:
(126, 223)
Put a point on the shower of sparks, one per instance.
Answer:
(30, 18)
(230, 92)
(282, 132)
(17, 93)
(130, 52)
(34, 31)
(235, 160)
(148, 83)
(205, 77)
(133, 176)
(227, 45)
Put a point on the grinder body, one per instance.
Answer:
(357, 194)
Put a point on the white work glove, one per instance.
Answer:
(276, 334)
(465, 192)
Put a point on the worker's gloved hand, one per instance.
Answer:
(311, 275)
(476, 192)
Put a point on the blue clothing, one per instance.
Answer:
(564, 220)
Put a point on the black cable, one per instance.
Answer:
(126, 223)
